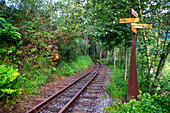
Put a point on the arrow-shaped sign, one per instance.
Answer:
(134, 29)
(143, 26)
(134, 13)
(128, 20)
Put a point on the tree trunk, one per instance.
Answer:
(51, 15)
(100, 53)
(97, 50)
(103, 53)
(111, 54)
(114, 58)
(164, 55)
(106, 55)
(120, 55)
(100, 57)
(125, 58)
(85, 46)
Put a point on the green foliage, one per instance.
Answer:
(65, 69)
(76, 65)
(8, 79)
(9, 40)
(166, 69)
(152, 103)
(37, 71)
(75, 48)
(147, 104)
(118, 87)
(8, 32)
(105, 61)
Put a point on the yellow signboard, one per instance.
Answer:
(143, 26)
(134, 13)
(128, 20)
(134, 29)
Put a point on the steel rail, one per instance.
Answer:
(66, 107)
(44, 103)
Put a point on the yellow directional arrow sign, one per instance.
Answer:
(143, 26)
(128, 20)
(134, 29)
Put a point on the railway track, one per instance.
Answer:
(63, 100)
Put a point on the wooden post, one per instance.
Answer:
(132, 91)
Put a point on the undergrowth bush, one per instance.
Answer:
(104, 61)
(37, 72)
(147, 104)
(8, 32)
(81, 62)
(8, 81)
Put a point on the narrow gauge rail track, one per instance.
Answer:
(61, 101)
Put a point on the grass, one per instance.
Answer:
(118, 87)
(81, 62)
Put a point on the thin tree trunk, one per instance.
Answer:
(164, 56)
(125, 57)
(103, 53)
(67, 13)
(97, 50)
(120, 55)
(111, 54)
(100, 53)
(100, 56)
(106, 55)
(51, 15)
(114, 58)
(93, 52)
(85, 45)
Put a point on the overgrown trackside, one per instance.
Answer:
(153, 103)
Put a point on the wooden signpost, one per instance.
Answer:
(143, 26)
(128, 20)
(132, 90)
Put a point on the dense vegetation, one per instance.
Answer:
(148, 103)
(32, 31)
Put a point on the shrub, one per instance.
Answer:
(37, 71)
(147, 104)
(8, 76)
(8, 32)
